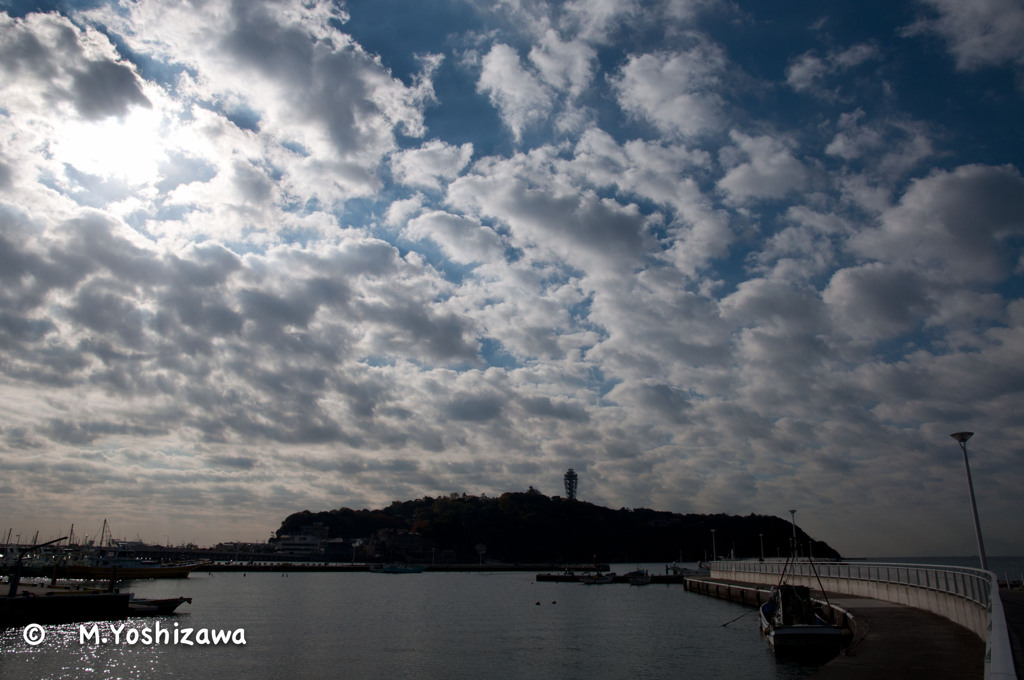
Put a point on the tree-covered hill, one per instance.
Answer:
(532, 527)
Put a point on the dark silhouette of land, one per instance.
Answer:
(531, 527)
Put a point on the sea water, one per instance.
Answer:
(429, 625)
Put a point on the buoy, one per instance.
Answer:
(537, 602)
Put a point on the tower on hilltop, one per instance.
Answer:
(571, 481)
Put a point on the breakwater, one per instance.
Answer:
(751, 595)
(316, 567)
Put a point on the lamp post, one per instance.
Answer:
(714, 550)
(761, 537)
(792, 515)
(962, 438)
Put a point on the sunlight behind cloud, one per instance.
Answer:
(128, 148)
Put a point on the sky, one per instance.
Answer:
(717, 256)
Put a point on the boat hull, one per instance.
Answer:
(806, 639)
(18, 611)
(143, 607)
(799, 639)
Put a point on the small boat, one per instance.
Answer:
(598, 579)
(639, 577)
(793, 623)
(395, 568)
(138, 606)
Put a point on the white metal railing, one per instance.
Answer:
(978, 587)
(970, 584)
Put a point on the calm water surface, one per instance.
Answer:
(430, 625)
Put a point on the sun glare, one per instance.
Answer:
(129, 148)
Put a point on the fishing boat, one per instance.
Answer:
(638, 577)
(793, 622)
(113, 566)
(112, 559)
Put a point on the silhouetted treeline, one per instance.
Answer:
(532, 527)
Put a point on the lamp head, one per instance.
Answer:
(962, 437)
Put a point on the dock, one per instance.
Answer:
(888, 641)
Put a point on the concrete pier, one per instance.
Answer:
(888, 641)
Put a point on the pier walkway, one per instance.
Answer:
(898, 642)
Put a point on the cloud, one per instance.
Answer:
(579, 227)
(952, 225)
(677, 92)
(308, 84)
(521, 98)
(808, 72)
(979, 34)
(890, 147)
(769, 171)
(462, 239)
(48, 57)
(877, 302)
(430, 164)
(564, 65)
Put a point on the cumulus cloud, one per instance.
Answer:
(766, 168)
(890, 147)
(521, 98)
(579, 227)
(953, 225)
(431, 164)
(462, 239)
(677, 92)
(979, 34)
(564, 65)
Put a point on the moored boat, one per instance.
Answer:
(638, 577)
(144, 606)
(598, 579)
(105, 567)
(793, 623)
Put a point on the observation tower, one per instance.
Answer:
(571, 481)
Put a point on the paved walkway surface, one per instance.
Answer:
(1013, 608)
(898, 642)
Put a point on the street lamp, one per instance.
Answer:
(792, 515)
(962, 438)
(761, 537)
(714, 551)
